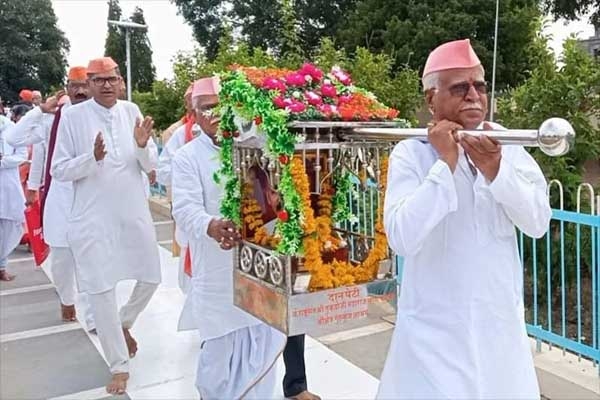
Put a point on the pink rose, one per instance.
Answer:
(345, 98)
(327, 109)
(311, 70)
(296, 107)
(328, 91)
(295, 79)
(341, 76)
(279, 102)
(274, 84)
(313, 98)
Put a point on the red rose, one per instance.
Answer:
(226, 134)
(284, 159)
(236, 134)
(283, 216)
(258, 120)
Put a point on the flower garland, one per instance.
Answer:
(337, 273)
(271, 98)
(370, 266)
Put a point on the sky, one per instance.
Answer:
(84, 24)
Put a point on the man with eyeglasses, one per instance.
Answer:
(103, 145)
(39, 128)
(237, 352)
(451, 208)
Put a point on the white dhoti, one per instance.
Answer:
(10, 236)
(110, 322)
(240, 364)
(63, 273)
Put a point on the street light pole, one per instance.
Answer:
(128, 51)
(493, 105)
(128, 26)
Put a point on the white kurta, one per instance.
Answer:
(12, 199)
(163, 176)
(34, 129)
(196, 201)
(110, 228)
(36, 172)
(460, 331)
(238, 350)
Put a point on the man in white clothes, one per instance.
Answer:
(39, 127)
(102, 146)
(182, 135)
(12, 200)
(451, 208)
(238, 352)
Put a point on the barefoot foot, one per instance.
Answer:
(68, 313)
(118, 384)
(5, 276)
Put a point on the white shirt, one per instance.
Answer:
(110, 229)
(175, 142)
(196, 201)
(34, 129)
(12, 199)
(460, 330)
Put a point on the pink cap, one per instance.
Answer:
(451, 55)
(189, 90)
(206, 87)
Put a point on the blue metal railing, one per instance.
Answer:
(562, 297)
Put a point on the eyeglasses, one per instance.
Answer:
(462, 89)
(207, 111)
(112, 81)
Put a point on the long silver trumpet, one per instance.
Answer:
(555, 137)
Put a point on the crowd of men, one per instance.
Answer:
(451, 208)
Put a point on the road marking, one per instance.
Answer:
(9, 337)
(28, 289)
(16, 260)
(356, 333)
(92, 394)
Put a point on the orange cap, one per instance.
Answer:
(101, 65)
(77, 74)
(26, 95)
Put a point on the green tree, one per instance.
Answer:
(570, 91)
(32, 48)
(114, 46)
(143, 72)
(573, 9)
(407, 30)
(164, 103)
(290, 49)
(260, 22)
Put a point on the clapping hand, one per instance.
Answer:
(143, 131)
